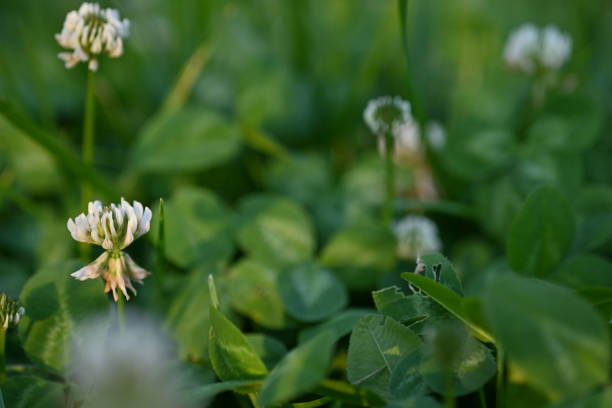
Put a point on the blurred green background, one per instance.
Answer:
(277, 106)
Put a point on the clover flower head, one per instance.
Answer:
(10, 312)
(386, 114)
(416, 235)
(556, 47)
(529, 48)
(131, 368)
(91, 31)
(113, 227)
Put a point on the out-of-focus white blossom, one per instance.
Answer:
(112, 227)
(386, 114)
(530, 48)
(91, 31)
(556, 47)
(436, 135)
(129, 368)
(10, 312)
(416, 235)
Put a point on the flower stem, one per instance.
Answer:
(88, 143)
(121, 312)
(2, 359)
(160, 267)
(482, 397)
(387, 214)
(449, 399)
(499, 386)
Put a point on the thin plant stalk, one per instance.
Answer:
(160, 264)
(253, 398)
(88, 143)
(1, 399)
(387, 213)
(499, 385)
(482, 397)
(121, 312)
(2, 358)
(449, 399)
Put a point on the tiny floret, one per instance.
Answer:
(10, 312)
(530, 48)
(386, 114)
(91, 31)
(114, 228)
(416, 235)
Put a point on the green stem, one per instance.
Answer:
(160, 268)
(88, 145)
(387, 214)
(449, 399)
(312, 404)
(1, 400)
(2, 359)
(499, 385)
(483, 398)
(121, 312)
(253, 398)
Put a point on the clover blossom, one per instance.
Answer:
(416, 235)
(386, 114)
(530, 48)
(114, 228)
(10, 312)
(90, 32)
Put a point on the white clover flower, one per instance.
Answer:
(112, 227)
(10, 312)
(529, 48)
(90, 32)
(556, 47)
(386, 114)
(522, 48)
(416, 235)
(130, 368)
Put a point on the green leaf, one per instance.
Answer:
(439, 268)
(270, 350)
(452, 355)
(231, 354)
(600, 297)
(188, 316)
(197, 227)
(56, 304)
(253, 292)
(300, 371)
(597, 399)
(340, 325)
(555, 337)
(406, 379)
(455, 304)
(582, 271)
(541, 233)
(376, 345)
(593, 206)
(32, 392)
(360, 254)
(311, 293)
(184, 140)
(349, 394)
(275, 229)
(394, 303)
(210, 390)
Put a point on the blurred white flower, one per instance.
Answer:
(386, 114)
(113, 227)
(556, 47)
(416, 235)
(130, 368)
(10, 312)
(436, 135)
(92, 31)
(529, 48)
